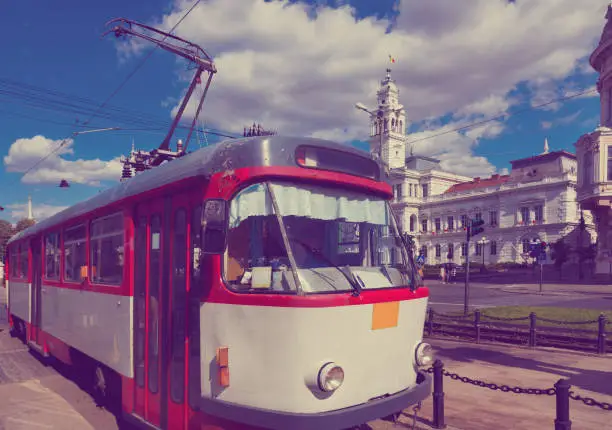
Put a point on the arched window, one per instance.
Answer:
(393, 124)
(587, 176)
(413, 220)
(401, 126)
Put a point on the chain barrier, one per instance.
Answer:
(458, 317)
(503, 319)
(519, 390)
(590, 401)
(504, 388)
(567, 322)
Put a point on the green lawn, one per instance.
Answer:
(560, 314)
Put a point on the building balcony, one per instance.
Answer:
(486, 192)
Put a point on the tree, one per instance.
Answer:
(560, 254)
(6, 231)
(22, 224)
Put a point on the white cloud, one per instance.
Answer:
(26, 152)
(39, 211)
(564, 120)
(281, 66)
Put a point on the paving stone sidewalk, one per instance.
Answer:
(470, 407)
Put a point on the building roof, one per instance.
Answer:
(541, 158)
(476, 183)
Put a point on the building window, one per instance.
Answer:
(75, 253)
(525, 246)
(412, 222)
(463, 221)
(451, 223)
(478, 248)
(52, 256)
(493, 218)
(410, 190)
(587, 176)
(450, 253)
(425, 190)
(438, 224)
(610, 163)
(478, 216)
(107, 252)
(493, 248)
(525, 215)
(464, 249)
(438, 251)
(424, 225)
(539, 213)
(424, 251)
(397, 191)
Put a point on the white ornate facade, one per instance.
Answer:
(537, 198)
(594, 152)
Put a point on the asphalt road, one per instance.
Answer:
(446, 298)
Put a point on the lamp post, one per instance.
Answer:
(582, 228)
(482, 242)
(362, 107)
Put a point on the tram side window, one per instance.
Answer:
(14, 261)
(23, 261)
(107, 249)
(52, 256)
(75, 253)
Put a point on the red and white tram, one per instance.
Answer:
(259, 282)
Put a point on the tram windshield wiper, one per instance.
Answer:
(355, 282)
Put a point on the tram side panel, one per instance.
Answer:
(19, 299)
(97, 324)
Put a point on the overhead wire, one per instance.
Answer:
(121, 85)
(501, 116)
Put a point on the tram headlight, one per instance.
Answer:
(423, 354)
(331, 376)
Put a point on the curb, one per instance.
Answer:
(543, 293)
(553, 293)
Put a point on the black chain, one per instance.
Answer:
(504, 388)
(518, 390)
(567, 322)
(590, 401)
(503, 319)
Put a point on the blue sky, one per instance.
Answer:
(57, 47)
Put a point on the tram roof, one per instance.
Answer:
(225, 155)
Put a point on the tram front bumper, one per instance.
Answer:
(330, 420)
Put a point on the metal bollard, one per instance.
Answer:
(562, 421)
(601, 334)
(438, 395)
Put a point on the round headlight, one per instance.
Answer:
(331, 377)
(424, 354)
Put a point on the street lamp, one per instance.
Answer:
(482, 242)
(361, 106)
(582, 228)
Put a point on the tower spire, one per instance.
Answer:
(30, 216)
(546, 149)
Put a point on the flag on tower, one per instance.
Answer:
(391, 59)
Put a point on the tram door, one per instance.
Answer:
(36, 289)
(149, 239)
(166, 311)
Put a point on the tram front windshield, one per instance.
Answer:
(284, 236)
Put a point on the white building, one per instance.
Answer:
(594, 152)
(536, 200)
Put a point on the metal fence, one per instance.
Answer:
(479, 326)
(561, 390)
